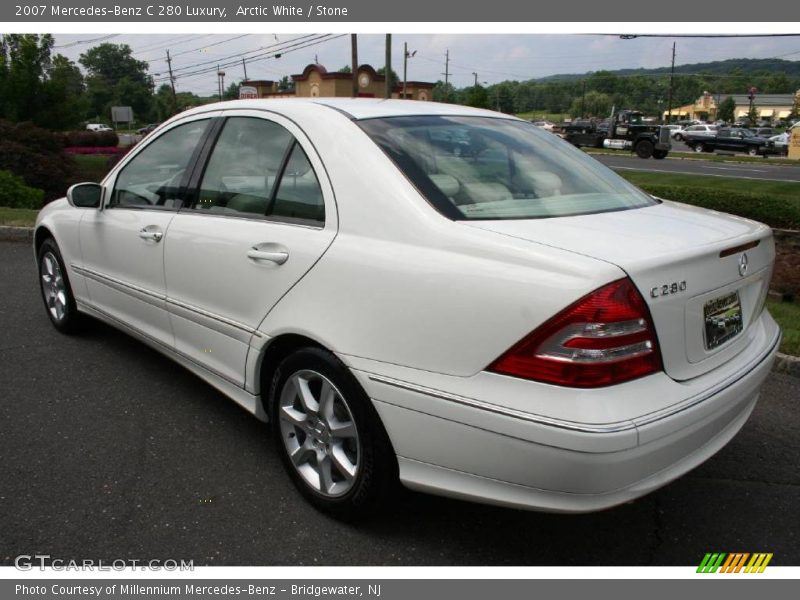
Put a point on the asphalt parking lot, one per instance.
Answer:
(108, 450)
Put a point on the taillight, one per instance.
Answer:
(604, 338)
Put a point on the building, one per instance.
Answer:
(769, 107)
(316, 81)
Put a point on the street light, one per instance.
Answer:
(752, 95)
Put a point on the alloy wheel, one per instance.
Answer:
(54, 286)
(319, 433)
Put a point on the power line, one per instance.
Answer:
(87, 41)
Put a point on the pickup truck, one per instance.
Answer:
(729, 139)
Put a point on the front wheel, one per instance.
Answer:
(699, 148)
(329, 435)
(659, 154)
(752, 151)
(644, 149)
(56, 291)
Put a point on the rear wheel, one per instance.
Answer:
(328, 434)
(699, 148)
(659, 154)
(56, 291)
(644, 149)
(752, 151)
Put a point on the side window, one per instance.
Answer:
(153, 177)
(299, 195)
(244, 166)
(257, 168)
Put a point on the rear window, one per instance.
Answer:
(479, 168)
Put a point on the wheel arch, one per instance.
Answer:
(41, 233)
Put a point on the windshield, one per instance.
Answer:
(489, 168)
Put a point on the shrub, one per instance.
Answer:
(774, 211)
(15, 194)
(90, 139)
(37, 156)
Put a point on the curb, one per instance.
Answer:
(785, 363)
(16, 234)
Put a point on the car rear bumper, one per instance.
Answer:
(452, 446)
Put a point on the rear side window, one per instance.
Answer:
(475, 168)
(257, 168)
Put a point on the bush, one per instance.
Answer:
(90, 139)
(15, 194)
(37, 156)
(774, 211)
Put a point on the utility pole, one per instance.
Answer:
(244, 67)
(446, 74)
(354, 60)
(583, 98)
(172, 85)
(387, 91)
(406, 56)
(671, 78)
(220, 82)
(476, 79)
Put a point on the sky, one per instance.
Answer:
(494, 58)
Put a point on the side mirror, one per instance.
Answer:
(85, 195)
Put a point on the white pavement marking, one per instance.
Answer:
(736, 169)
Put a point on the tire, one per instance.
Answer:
(644, 149)
(699, 147)
(752, 151)
(679, 137)
(59, 301)
(338, 455)
(659, 154)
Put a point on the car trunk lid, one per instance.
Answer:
(703, 274)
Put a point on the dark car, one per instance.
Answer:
(729, 139)
(147, 128)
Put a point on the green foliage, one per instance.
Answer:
(115, 78)
(232, 92)
(345, 69)
(37, 156)
(15, 194)
(477, 96)
(90, 139)
(595, 104)
(752, 200)
(726, 109)
(752, 115)
(787, 314)
(285, 84)
(393, 78)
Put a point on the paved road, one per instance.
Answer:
(108, 450)
(753, 170)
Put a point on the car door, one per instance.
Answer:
(122, 245)
(262, 214)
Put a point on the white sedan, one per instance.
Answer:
(437, 294)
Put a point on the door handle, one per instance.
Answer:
(277, 256)
(146, 234)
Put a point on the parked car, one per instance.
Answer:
(511, 323)
(695, 130)
(147, 128)
(98, 127)
(764, 132)
(546, 125)
(728, 139)
(778, 144)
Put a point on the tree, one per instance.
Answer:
(232, 92)
(726, 109)
(345, 69)
(444, 93)
(393, 78)
(592, 104)
(285, 84)
(752, 115)
(24, 60)
(477, 97)
(115, 78)
(65, 103)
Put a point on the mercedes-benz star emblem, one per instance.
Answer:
(743, 265)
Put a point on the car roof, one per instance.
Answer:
(355, 108)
